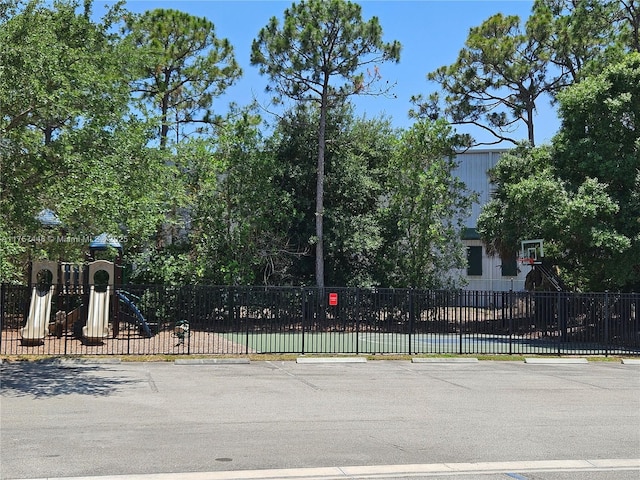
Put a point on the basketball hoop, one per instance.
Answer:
(531, 252)
(526, 261)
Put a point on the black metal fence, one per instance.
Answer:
(147, 320)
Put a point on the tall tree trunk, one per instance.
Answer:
(632, 15)
(48, 135)
(164, 119)
(530, 130)
(164, 109)
(320, 192)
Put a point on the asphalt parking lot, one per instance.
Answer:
(266, 419)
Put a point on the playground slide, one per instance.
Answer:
(37, 326)
(140, 319)
(97, 327)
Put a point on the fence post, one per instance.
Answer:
(305, 308)
(128, 331)
(357, 321)
(561, 326)
(194, 317)
(460, 315)
(247, 316)
(606, 323)
(510, 321)
(231, 308)
(412, 314)
(2, 295)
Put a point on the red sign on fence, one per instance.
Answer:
(333, 299)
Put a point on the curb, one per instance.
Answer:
(331, 360)
(212, 361)
(555, 361)
(631, 361)
(444, 360)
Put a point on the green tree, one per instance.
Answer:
(497, 79)
(599, 139)
(630, 19)
(237, 209)
(526, 201)
(61, 72)
(426, 209)
(320, 54)
(293, 144)
(110, 181)
(55, 64)
(577, 224)
(508, 66)
(580, 33)
(184, 66)
(356, 167)
(580, 195)
(356, 179)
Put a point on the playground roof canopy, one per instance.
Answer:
(103, 241)
(48, 218)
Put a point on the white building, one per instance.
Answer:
(484, 272)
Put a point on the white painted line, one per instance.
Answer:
(387, 471)
(211, 361)
(554, 361)
(631, 361)
(445, 360)
(331, 360)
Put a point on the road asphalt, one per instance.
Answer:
(382, 419)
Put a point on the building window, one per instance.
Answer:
(474, 260)
(510, 267)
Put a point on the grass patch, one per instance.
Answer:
(602, 358)
(501, 358)
(288, 357)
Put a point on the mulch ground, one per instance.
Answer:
(125, 344)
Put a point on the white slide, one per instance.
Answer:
(37, 326)
(97, 327)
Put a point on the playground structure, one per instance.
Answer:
(42, 291)
(86, 298)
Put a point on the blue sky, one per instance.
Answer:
(431, 32)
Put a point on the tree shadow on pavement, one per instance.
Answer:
(49, 378)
